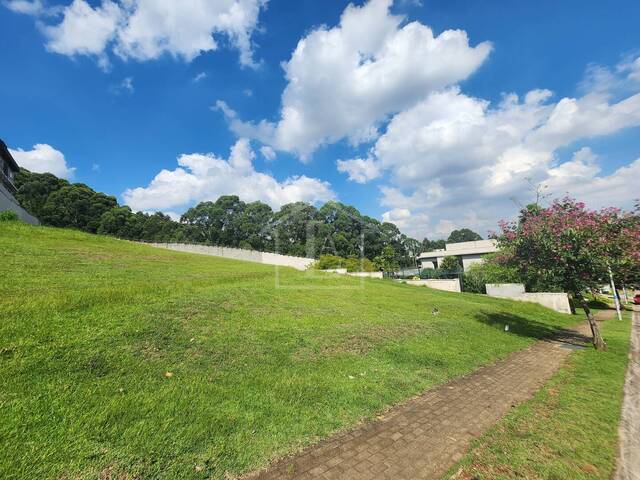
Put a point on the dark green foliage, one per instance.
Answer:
(431, 245)
(34, 190)
(451, 263)
(297, 229)
(428, 273)
(493, 269)
(463, 235)
(76, 206)
(8, 216)
(386, 260)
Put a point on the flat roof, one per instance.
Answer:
(463, 248)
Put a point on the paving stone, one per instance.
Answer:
(428, 434)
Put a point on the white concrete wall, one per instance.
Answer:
(267, 258)
(366, 274)
(555, 301)
(504, 289)
(515, 291)
(447, 284)
(343, 271)
(468, 260)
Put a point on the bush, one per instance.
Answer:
(326, 262)
(451, 264)
(489, 271)
(429, 273)
(8, 216)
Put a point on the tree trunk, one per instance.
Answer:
(598, 341)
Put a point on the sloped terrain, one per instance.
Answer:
(125, 361)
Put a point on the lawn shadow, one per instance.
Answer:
(530, 328)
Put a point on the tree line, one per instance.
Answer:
(298, 228)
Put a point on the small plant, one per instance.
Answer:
(9, 216)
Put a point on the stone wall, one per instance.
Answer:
(515, 291)
(267, 258)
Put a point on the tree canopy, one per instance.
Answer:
(569, 247)
(296, 229)
(463, 235)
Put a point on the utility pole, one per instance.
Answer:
(615, 295)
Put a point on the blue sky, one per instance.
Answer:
(414, 98)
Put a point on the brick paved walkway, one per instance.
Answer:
(423, 437)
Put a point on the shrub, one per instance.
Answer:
(326, 262)
(489, 271)
(451, 264)
(8, 216)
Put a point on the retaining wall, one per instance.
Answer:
(366, 274)
(267, 258)
(343, 271)
(515, 291)
(447, 284)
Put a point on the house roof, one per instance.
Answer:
(6, 156)
(462, 248)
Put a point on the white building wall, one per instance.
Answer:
(468, 260)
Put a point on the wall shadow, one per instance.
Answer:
(530, 328)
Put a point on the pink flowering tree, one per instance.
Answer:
(571, 248)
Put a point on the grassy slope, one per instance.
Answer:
(569, 430)
(90, 325)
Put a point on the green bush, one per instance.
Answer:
(428, 273)
(451, 264)
(326, 262)
(8, 216)
(489, 271)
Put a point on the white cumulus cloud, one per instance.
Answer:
(201, 177)
(343, 82)
(43, 158)
(451, 154)
(147, 29)
(360, 170)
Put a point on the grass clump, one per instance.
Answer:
(124, 361)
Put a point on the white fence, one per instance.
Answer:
(515, 291)
(267, 258)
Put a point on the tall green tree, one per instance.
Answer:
(463, 235)
(292, 226)
(76, 206)
(34, 190)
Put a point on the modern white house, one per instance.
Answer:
(468, 252)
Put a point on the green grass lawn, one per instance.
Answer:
(569, 430)
(125, 361)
